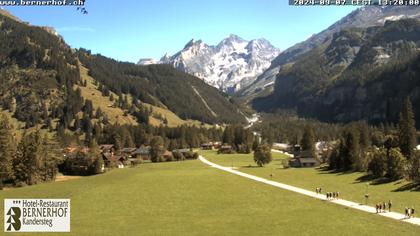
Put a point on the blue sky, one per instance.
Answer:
(133, 29)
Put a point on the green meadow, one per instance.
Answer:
(352, 186)
(190, 198)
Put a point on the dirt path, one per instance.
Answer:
(354, 205)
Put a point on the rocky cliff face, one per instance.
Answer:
(360, 73)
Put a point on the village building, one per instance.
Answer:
(168, 155)
(128, 152)
(226, 149)
(303, 159)
(107, 148)
(142, 153)
(207, 146)
(217, 145)
(183, 151)
(281, 146)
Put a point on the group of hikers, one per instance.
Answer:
(332, 195)
(381, 207)
(409, 212)
(329, 195)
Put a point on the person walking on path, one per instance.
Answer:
(384, 207)
(377, 208)
(412, 211)
(389, 205)
(406, 212)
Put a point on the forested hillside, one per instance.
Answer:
(37, 72)
(162, 85)
(361, 74)
(42, 85)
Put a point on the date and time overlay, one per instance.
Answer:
(354, 2)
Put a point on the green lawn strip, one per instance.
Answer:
(189, 198)
(348, 184)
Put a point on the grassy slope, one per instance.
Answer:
(190, 198)
(347, 184)
(116, 114)
(18, 127)
(92, 93)
(173, 119)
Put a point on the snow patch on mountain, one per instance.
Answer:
(231, 65)
(147, 61)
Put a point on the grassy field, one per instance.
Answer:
(190, 198)
(351, 186)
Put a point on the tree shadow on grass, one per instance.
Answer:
(413, 187)
(373, 180)
(324, 170)
(250, 167)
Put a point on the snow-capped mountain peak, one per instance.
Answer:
(229, 66)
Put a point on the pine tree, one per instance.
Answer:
(27, 163)
(50, 156)
(407, 130)
(7, 149)
(156, 149)
(88, 108)
(365, 140)
(95, 158)
(308, 141)
(414, 171)
(228, 135)
(98, 113)
(256, 143)
(354, 160)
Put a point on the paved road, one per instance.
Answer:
(358, 206)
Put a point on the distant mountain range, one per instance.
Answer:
(361, 18)
(231, 65)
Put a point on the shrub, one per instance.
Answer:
(285, 163)
(377, 163)
(178, 156)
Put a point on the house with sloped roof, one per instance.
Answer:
(142, 152)
(303, 159)
(207, 146)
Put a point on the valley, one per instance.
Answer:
(161, 146)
